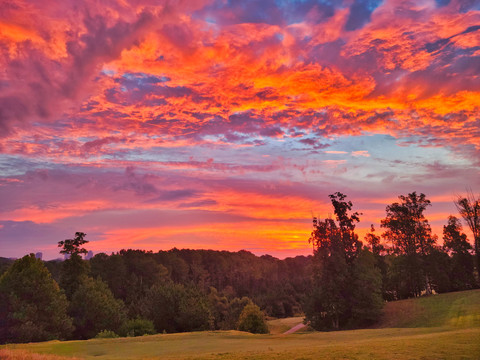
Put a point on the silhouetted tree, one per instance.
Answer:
(469, 209)
(366, 281)
(346, 286)
(328, 303)
(456, 244)
(73, 246)
(411, 236)
(379, 252)
(32, 307)
(346, 220)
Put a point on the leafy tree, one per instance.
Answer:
(374, 243)
(346, 220)
(367, 302)
(437, 266)
(252, 320)
(73, 246)
(142, 272)
(327, 305)
(345, 281)
(456, 244)
(469, 209)
(113, 271)
(94, 309)
(175, 308)
(379, 252)
(225, 310)
(74, 269)
(32, 306)
(411, 236)
(194, 311)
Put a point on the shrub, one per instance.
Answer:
(137, 327)
(106, 334)
(252, 320)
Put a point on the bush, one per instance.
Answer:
(252, 320)
(106, 334)
(137, 327)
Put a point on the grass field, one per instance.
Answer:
(279, 326)
(444, 326)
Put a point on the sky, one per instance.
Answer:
(225, 124)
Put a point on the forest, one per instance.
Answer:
(342, 285)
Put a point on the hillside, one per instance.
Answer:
(444, 326)
(456, 309)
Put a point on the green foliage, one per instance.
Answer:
(277, 286)
(225, 311)
(106, 334)
(32, 307)
(176, 308)
(327, 304)
(73, 271)
(444, 326)
(461, 266)
(252, 320)
(346, 283)
(113, 271)
(366, 283)
(94, 308)
(137, 327)
(411, 236)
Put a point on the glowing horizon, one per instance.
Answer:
(225, 124)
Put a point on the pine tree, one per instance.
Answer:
(32, 306)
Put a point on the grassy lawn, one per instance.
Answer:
(439, 327)
(279, 326)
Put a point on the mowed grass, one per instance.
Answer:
(457, 309)
(444, 326)
(279, 326)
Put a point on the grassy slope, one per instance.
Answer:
(458, 309)
(440, 327)
(279, 326)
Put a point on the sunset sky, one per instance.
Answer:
(225, 124)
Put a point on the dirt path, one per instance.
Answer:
(295, 328)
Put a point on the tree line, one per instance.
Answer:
(343, 285)
(352, 280)
(136, 292)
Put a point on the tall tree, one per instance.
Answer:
(32, 306)
(456, 244)
(379, 252)
(94, 309)
(469, 208)
(74, 269)
(346, 225)
(346, 285)
(327, 306)
(411, 236)
(73, 246)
